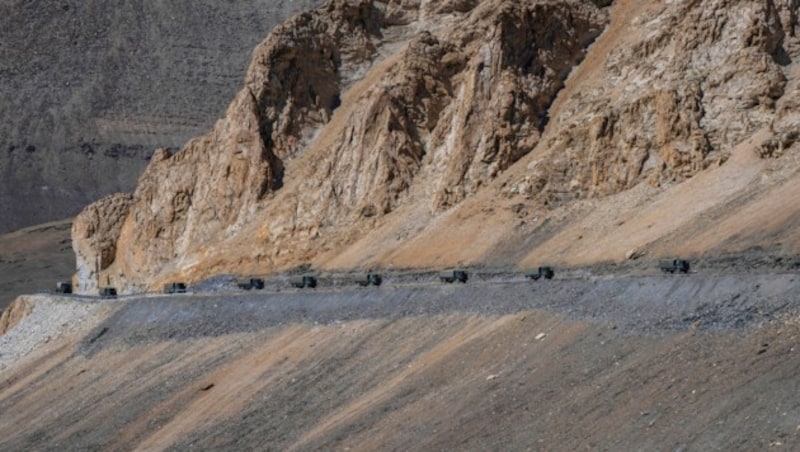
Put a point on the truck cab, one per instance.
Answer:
(252, 283)
(541, 272)
(453, 276)
(63, 287)
(674, 266)
(304, 281)
(175, 287)
(374, 279)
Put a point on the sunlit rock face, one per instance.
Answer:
(360, 109)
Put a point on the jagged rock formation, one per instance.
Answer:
(361, 115)
(466, 104)
(90, 89)
(18, 310)
(693, 80)
(94, 237)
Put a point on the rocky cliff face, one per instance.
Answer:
(691, 82)
(95, 233)
(363, 114)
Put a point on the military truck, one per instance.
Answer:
(674, 265)
(541, 272)
(453, 276)
(371, 279)
(63, 287)
(252, 283)
(108, 292)
(175, 287)
(304, 281)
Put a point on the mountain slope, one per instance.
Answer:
(34, 259)
(476, 132)
(89, 89)
(696, 362)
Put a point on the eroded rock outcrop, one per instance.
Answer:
(433, 99)
(95, 233)
(16, 311)
(694, 80)
(91, 89)
(358, 110)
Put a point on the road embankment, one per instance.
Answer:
(654, 362)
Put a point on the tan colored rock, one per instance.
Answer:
(20, 308)
(349, 112)
(785, 127)
(363, 114)
(95, 233)
(693, 81)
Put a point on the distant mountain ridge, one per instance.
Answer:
(90, 89)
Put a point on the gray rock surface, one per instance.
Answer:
(89, 89)
(50, 319)
(649, 304)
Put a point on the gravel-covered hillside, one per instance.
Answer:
(90, 88)
(674, 362)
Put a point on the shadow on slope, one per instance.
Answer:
(34, 259)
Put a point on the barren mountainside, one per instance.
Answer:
(406, 137)
(90, 88)
(422, 134)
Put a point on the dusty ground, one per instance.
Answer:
(645, 362)
(33, 259)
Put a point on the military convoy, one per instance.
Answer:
(371, 279)
(674, 266)
(175, 287)
(541, 272)
(453, 276)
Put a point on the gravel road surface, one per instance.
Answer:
(649, 304)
